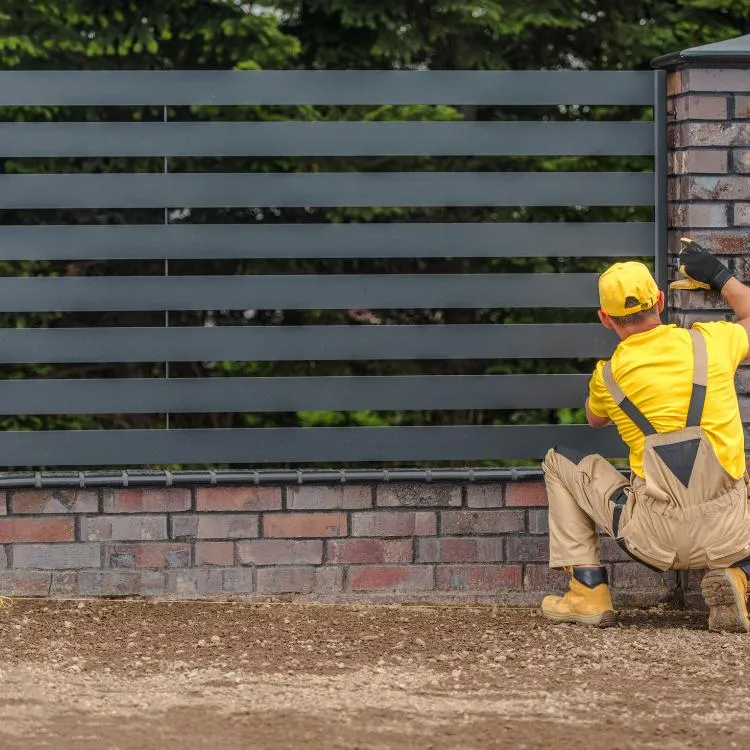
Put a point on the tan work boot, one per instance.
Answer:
(587, 600)
(725, 592)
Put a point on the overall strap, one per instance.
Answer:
(700, 379)
(631, 410)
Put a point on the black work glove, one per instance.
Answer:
(700, 265)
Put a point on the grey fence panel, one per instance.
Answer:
(309, 292)
(355, 189)
(184, 395)
(326, 139)
(415, 240)
(141, 88)
(298, 445)
(300, 343)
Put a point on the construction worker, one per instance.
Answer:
(670, 393)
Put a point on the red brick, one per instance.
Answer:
(394, 523)
(238, 498)
(37, 530)
(147, 555)
(316, 497)
(489, 495)
(196, 582)
(363, 551)
(238, 580)
(227, 526)
(280, 552)
(298, 580)
(538, 522)
(674, 83)
(214, 553)
(391, 578)
(126, 528)
(698, 215)
(56, 556)
(700, 107)
(482, 521)
(25, 582)
(290, 525)
(419, 495)
(542, 578)
(527, 549)
(525, 494)
(146, 500)
(55, 501)
(632, 575)
(460, 550)
(480, 577)
(716, 79)
(699, 161)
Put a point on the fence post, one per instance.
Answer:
(708, 117)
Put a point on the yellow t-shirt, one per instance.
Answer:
(655, 370)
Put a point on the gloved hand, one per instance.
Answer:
(703, 270)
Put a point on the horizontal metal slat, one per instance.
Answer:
(300, 343)
(59, 139)
(184, 395)
(397, 240)
(298, 445)
(327, 189)
(125, 88)
(310, 292)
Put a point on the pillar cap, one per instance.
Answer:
(729, 51)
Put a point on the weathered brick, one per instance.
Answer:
(543, 578)
(482, 521)
(37, 530)
(56, 556)
(712, 80)
(525, 494)
(238, 498)
(372, 551)
(185, 527)
(109, 582)
(727, 242)
(147, 555)
(744, 403)
(229, 526)
(742, 380)
(394, 523)
(460, 549)
(698, 215)
(527, 549)
(25, 582)
(3, 503)
(538, 522)
(710, 134)
(167, 500)
(688, 319)
(696, 300)
(125, 528)
(329, 579)
(54, 501)
(419, 495)
(742, 214)
(214, 553)
(480, 577)
(64, 584)
(3, 556)
(296, 580)
(195, 582)
(153, 582)
(632, 575)
(700, 107)
(391, 578)
(238, 580)
(280, 552)
(316, 497)
(485, 495)
(611, 552)
(290, 525)
(742, 107)
(713, 188)
(699, 161)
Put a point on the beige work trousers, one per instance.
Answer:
(711, 534)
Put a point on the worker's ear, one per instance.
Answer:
(660, 302)
(604, 318)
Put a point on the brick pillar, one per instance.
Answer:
(708, 116)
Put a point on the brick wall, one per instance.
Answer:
(393, 542)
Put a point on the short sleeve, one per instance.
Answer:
(598, 392)
(728, 338)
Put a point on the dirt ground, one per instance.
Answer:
(126, 675)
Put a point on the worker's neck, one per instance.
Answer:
(625, 332)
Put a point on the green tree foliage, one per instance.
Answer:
(332, 34)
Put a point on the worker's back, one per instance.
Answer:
(655, 368)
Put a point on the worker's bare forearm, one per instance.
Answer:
(738, 297)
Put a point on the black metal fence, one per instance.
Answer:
(60, 192)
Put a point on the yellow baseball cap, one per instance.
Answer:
(627, 288)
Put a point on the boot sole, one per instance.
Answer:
(605, 619)
(727, 611)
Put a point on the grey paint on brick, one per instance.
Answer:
(109, 582)
(124, 528)
(527, 549)
(56, 556)
(312, 497)
(419, 495)
(538, 522)
(238, 580)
